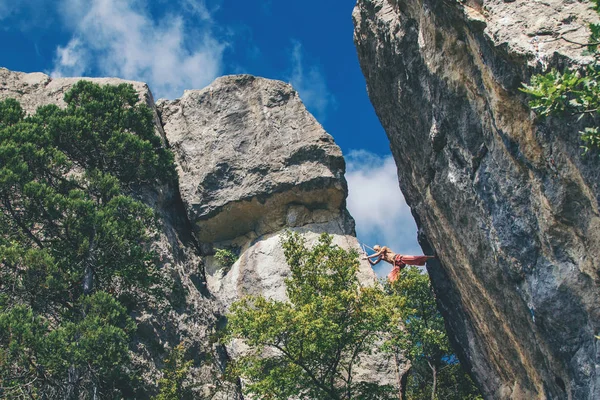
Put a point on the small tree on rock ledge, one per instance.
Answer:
(573, 92)
(309, 346)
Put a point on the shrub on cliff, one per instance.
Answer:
(435, 371)
(73, 240)
(309, 346)
(225, 257)
(171, 385)
(573, 92)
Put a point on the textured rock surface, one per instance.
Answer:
(247, 150)
(262, 268)
(253, 162)
(507, 202)
(189, 314)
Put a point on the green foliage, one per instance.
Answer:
(176, 370)
(452, 383)
(308, 346)
(572, 92)
(225, 257)
(105, 128)
(435, 371)
(423, 334)
(73, 239)
(95, 343)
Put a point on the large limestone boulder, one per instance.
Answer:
(251, 158)
(253, 162)
(506, 201)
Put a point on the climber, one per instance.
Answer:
(399, 261)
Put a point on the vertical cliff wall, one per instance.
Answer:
(506, 201)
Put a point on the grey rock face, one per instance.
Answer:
(261, 267)
(507, 202)
(247, 150)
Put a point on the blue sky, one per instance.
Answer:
(185, 44)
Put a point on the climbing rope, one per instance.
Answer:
(364, 245)
(365, 249)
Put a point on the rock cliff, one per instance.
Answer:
(506, 201)
(252, 162)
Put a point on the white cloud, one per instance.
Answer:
(199, 8)
(70, 57)
(117, 38)
(310, 84)
(376, 203)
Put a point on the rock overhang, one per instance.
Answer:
(248, 154)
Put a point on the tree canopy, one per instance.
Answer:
(309, 346)
(73, 239)
(435, 371)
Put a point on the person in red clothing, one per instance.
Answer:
(399, 261)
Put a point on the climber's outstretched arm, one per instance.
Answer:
(379, 253)
(374, 262)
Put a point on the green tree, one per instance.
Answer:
(176, 370)
(225, 257)
(308, 347)
(418, 332)
(573, 92)
(73, 240)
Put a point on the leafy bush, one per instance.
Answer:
(317, 337)
(435, 371)
(176, 370)
(572, 92)
(308, 346)
(225, 257)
